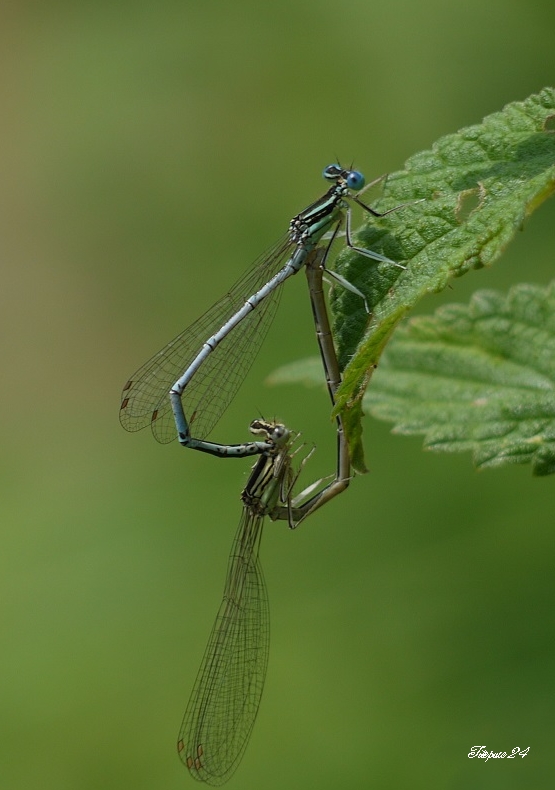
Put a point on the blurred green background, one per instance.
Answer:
(150, 151)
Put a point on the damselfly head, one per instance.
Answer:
(353, 179)
(274, 432)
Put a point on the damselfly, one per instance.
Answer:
(202, 368)
(226, 695)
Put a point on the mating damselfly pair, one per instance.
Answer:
(184, 389)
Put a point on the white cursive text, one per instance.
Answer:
(482, 753)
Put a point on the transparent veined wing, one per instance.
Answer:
(226, 696)
(145, 397)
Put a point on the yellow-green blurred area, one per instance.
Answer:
(150, 151)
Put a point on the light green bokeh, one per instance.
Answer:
(149, 152)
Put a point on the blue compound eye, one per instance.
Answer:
(355, 180)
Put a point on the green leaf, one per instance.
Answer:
(477, 186)
(479, 377)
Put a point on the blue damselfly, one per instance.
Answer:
(202, 368)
